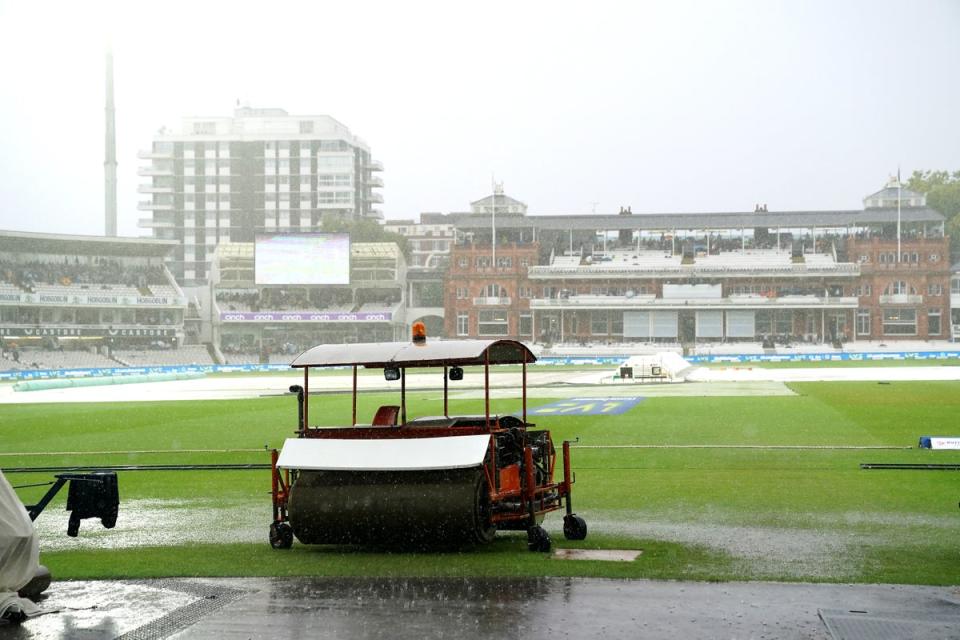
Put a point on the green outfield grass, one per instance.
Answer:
(697, 513)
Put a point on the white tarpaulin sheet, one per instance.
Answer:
(19, 549)
(387, 454)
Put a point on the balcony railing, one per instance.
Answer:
(154, 171)
(542, 272)
(146, 205)
(149, 188)
(488, 302)
(154, 223)
(733, 302)
(155, 155)
(901, 298)
(375, 165)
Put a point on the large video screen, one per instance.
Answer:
(302, 258)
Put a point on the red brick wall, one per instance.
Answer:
(464, 273)
(879, 268)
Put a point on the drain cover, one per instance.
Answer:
(209, 599)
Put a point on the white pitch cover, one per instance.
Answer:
(386, 454)
(19, 551)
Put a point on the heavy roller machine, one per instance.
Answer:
(424, 481)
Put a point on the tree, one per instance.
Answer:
(942, 189)
(364, 230)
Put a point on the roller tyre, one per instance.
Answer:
(281, 535)
(538, 539)
(574, 527)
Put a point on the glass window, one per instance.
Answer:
(463, 324)
(933, 322)
(492, 322)
(898, 287)
(494, 290)
(526, 324)
(863, 322)
(934, 289)
(616, 323)
(599, 323)
(900, 322)
(335, 180)
(341, 162)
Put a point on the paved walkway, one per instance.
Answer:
(276, 609)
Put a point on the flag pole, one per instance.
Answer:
(898, 214)
(493, 225)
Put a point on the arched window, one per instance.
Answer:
(899, 287)
(494, 290)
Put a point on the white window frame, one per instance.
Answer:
(938, 314)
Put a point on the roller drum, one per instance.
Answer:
(437, 506)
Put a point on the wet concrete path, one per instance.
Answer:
(245, 608)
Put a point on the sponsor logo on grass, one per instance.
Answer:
(587, 407)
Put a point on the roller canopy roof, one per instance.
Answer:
(408, 354)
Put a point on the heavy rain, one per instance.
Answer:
(535, 319)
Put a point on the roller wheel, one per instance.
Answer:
(538, 539)
(281, 535)
(574, 527)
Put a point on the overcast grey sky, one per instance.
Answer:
(672, 106)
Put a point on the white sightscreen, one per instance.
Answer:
(709, 324)
(741, 324)
(636, 324)
(664, 324)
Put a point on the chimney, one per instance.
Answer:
(110, 157)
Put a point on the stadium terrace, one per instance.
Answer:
(672, 281)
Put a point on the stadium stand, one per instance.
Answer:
(14, 358)
(71, 301)
(185, 355)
